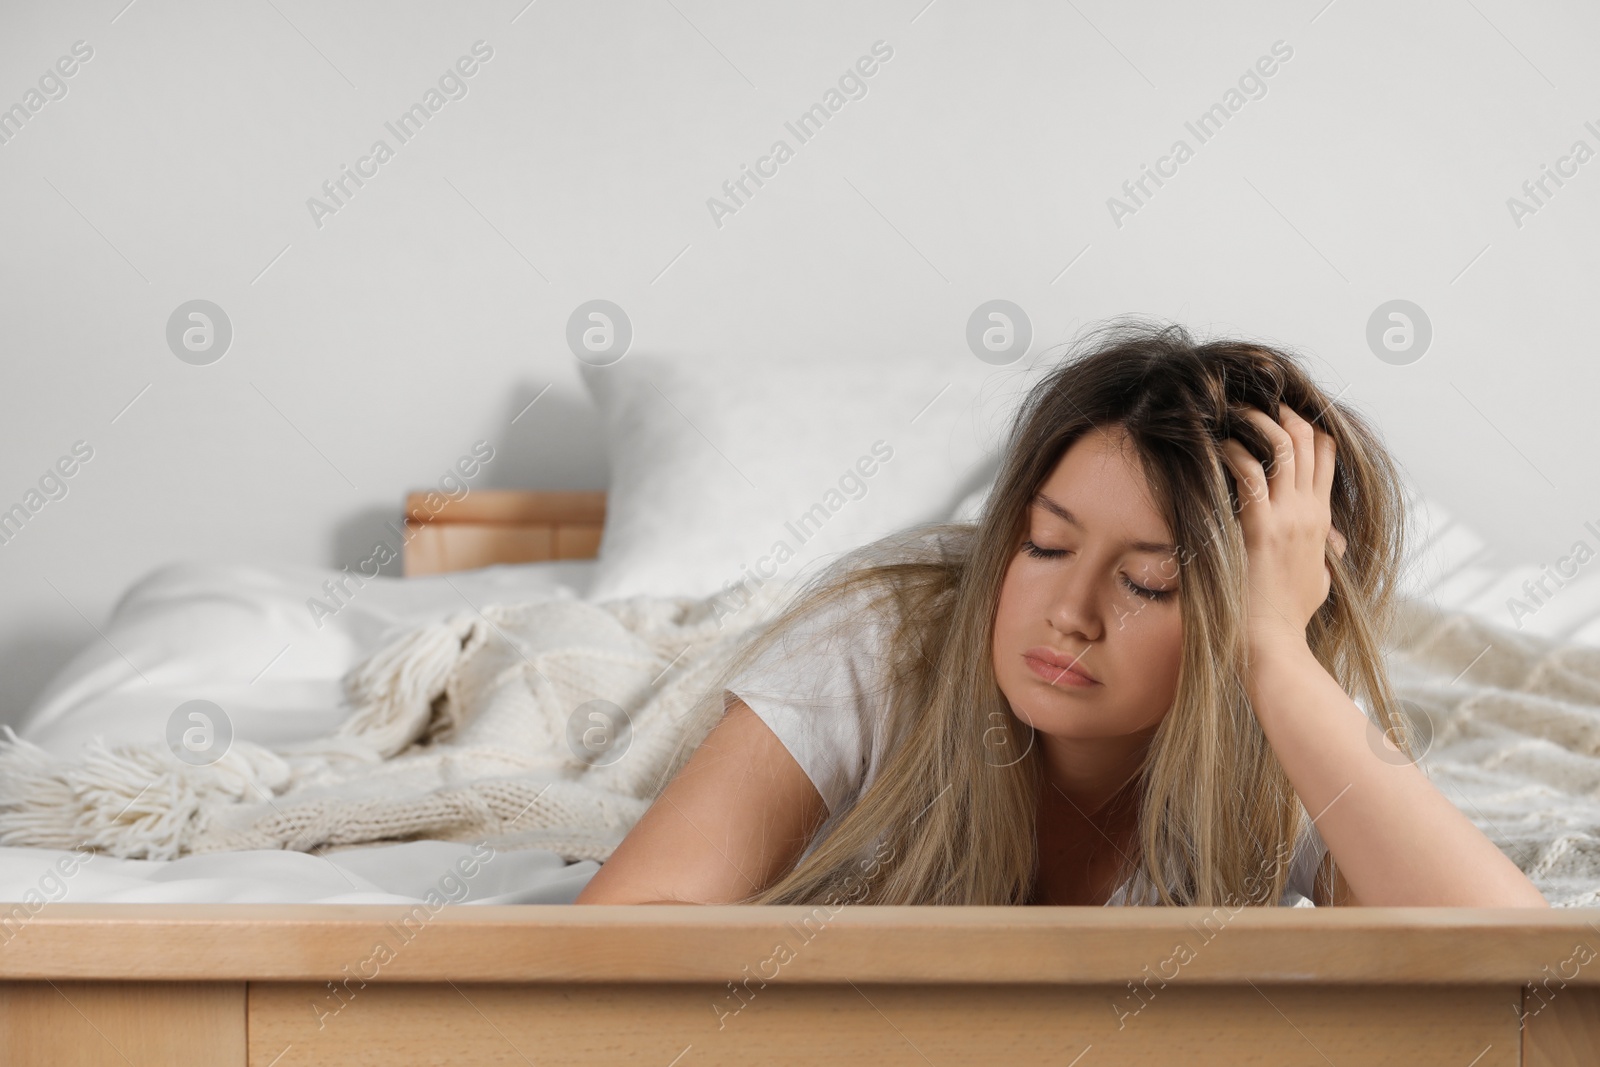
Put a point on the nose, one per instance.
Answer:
(1075, 607)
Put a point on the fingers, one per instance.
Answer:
(1282, 463)
(1303, 443)
(1253, 481)
(1302, 454)
(1247, 474)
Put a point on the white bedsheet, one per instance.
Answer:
(382, 874)
(244, 638)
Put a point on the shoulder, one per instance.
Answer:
(821, 684)
(821, 673)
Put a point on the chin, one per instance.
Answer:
(1039, 706)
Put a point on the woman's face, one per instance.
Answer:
(1076, 605)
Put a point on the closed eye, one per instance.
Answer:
(1042, 553)
(1138, 590)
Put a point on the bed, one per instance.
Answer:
(276, 958)
(274, 985)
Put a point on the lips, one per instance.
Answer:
(1071, 664)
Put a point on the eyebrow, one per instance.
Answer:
(1062, 513)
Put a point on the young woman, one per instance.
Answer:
(1126, 683)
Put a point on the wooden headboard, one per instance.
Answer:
(490, 526)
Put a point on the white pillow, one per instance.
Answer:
(720, 466)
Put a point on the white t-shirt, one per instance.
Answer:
(825, 697)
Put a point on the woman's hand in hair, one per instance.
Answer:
(1287, 523)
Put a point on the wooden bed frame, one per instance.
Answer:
(294, 985)
(500, 526)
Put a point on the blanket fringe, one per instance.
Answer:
(135, 801)
(394, 689)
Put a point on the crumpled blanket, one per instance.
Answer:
(548, 724)
(1509, 725)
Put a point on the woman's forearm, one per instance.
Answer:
(1397, 840)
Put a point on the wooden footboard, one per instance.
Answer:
(288, 986)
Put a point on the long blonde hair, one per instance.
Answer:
(955, 799)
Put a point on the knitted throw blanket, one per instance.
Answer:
(462, 732)
(1511, 727)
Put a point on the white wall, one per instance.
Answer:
(432, 307)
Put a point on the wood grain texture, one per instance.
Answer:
(493, 526)
(1561, 1026)
(513, 507)
(89, 1024)
(883, 1025)
(612, 943)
